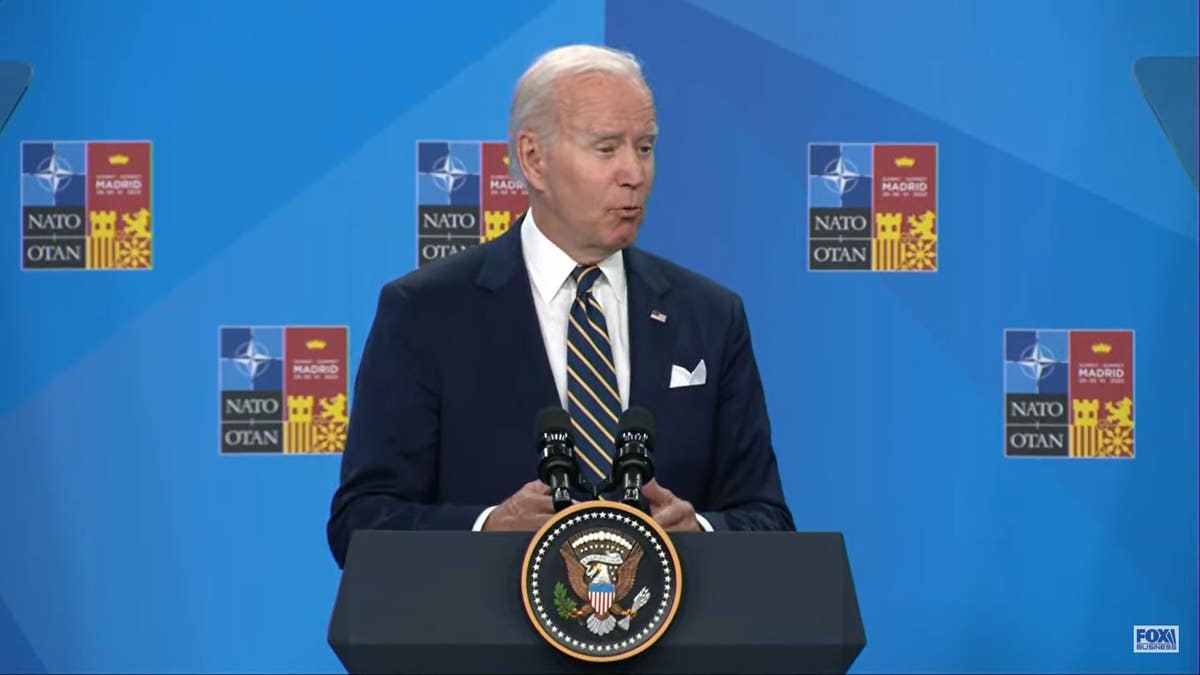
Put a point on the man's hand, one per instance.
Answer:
(527, 510)
(673, 513)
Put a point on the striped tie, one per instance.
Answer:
(592, 397)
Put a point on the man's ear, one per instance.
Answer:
(531, 153)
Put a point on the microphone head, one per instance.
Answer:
(636, 424)
(554, 421)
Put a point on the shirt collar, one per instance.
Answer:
(549, 267)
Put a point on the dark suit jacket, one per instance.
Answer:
(454, 372)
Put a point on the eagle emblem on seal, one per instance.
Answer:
(602, 567)
(601, 581)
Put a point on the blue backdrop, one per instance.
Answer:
(283, 153)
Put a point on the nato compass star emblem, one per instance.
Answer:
(1037, 362)
(840, 176)
(601, 581)
(252, 358)
(449, 173)
(54, 174)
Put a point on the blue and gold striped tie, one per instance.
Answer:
(592, 397)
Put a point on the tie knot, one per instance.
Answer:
(584, 278)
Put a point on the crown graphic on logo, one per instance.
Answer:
(1101, 348)
(315, 343)
(118, 159)
(507, 161)
(906, 162)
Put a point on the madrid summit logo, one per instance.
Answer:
(465, 196)
(1068, 393)
(283, 389)
(601, 581)
(872, 206)
(86, 205)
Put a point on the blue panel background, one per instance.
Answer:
(284, 139)
(284, 154)
(1061, 206)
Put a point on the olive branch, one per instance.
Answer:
(562, 602)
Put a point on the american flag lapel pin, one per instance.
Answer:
(658, 316)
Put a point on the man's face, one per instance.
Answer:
(597, 173)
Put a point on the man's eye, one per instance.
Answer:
(647, 149)
(606, 148)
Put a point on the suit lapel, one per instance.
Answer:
(503, 273)
(651, 330)
(512, 320)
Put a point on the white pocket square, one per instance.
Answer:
(682, 377)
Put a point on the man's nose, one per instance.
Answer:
(632, 169)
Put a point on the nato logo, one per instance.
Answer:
(872, 207)
(283, 389)
(86, 205)
(448, 174)
(466, 196)
(839, 176)
(52, 174)
(1068, 393)
(250, 382)
(1035, 362)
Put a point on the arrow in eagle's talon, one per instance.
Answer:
(641, 599)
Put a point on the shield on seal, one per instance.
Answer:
(601, 597)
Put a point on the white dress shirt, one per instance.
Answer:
(553, 289)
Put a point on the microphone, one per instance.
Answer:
(558, 467)
(633, 466)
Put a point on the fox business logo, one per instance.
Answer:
(1156, 639)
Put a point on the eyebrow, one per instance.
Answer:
(599, 136)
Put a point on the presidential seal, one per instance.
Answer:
(601, 581)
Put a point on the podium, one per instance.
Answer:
(450, 602)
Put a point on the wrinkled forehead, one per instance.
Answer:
(605, 104)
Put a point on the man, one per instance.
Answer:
(560, 310)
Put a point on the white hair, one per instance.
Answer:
(534, 98)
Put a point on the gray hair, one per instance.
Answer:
(533, 100)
